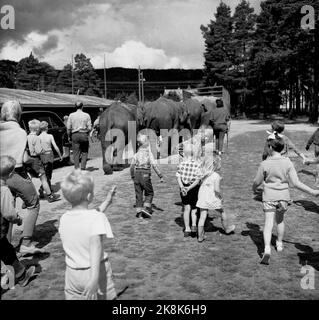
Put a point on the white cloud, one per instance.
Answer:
(132, 54)
(154, 34)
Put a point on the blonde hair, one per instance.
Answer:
(192, 150)
(76, 186)
(142, 139)
(210, 164)
(44, 126)
(11, 110)
(7, 165)
(34, 125)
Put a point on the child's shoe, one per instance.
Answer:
(147, 212)
(230, 229)
(28, 275)
(53, 197)
(266, 257)
(41, 193)
(187, 234)
(279, 246)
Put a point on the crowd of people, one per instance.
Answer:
(82, 230)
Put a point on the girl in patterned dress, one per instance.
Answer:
(209, 196)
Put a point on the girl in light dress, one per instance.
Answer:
(209, 195)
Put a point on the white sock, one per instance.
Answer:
(267, 250)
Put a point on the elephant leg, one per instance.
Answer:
(107, 168)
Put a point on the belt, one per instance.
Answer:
(46, 152)
(102, 261)
(143, 169)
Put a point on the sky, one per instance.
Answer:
(159, 34)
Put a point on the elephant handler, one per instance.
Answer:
(220, 119)
(79, 126)
(13, 143)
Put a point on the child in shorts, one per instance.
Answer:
(82, 230)
(36, 169)
(278, 128)
(140, 170)
(275, 174)
(188, 178)
(8, 214)
(46, 156)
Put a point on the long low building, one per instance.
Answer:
(60, 103)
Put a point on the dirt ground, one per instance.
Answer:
(152, 260)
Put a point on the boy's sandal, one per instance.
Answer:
(265, 259)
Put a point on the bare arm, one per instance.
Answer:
(259, 179)
(293, 177)
(217, 187)
(179, 181)
(312, 161)
(106, 203)
(92, 288)
(55, 147)
(294, 148)
(193, 185)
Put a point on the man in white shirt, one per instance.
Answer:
(79, 126)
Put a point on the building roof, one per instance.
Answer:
(40, 99)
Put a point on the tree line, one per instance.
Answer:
(264, 60)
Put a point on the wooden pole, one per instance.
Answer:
(142, 80)
(105, 93)
(72, 73)
(139, 84)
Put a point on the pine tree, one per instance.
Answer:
(7, 73)
(86, 79)
(218, 47)
(64, 80)
(34, 75)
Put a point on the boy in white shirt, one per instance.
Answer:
(88, 272)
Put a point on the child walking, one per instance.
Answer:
(8, 214)
(278, 128)
(46, 156)
(209, 195)
(37, 170)
(140, 170)
(188, 177)
(275, 174)
(88, 272)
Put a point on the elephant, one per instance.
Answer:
(195, 110)
(165, 114)
(117, 117)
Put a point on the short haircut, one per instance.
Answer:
(44, 126)
(11, 110)
(191, 150)
(76, 186)
(142, 138)
(278, 126)
(7, 165)
(78, 105)
(277, 144)
(34, 125)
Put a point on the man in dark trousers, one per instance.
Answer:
(220, 118)
(79, 126)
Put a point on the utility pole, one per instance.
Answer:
(142, 85)
(72, 73)
(105, 94)
(139, 84)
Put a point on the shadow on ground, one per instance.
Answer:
(45, 232)
(308, 205)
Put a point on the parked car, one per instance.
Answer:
(56, 127)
